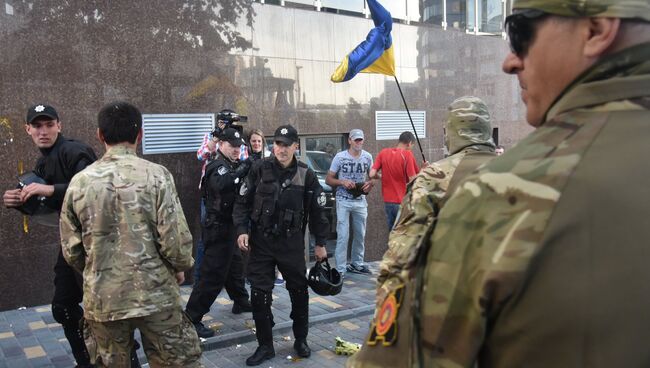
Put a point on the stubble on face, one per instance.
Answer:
(554, 59)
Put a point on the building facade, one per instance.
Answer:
(269, 60)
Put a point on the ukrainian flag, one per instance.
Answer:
(375, 54)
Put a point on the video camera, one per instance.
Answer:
(228, 117)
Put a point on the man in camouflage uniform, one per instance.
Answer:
(123, 227)
(469, 141)
(540, 258)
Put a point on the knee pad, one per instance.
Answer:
(299, 303)
(67, 314)
(299, 297)
(261, 299)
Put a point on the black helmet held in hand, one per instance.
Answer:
(325, 280)
(34, 203)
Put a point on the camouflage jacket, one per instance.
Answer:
(123, 227)
(424, 198)
(468, 137)
(426, 195)
(540, 259)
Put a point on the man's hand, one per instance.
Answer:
(320, 252)
(348, 184)
(424, 164)
(180, 277)
(242, 242)
(212, 145)
(35, 189)
(367, 186)
(11, 198)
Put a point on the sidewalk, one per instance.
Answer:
(29, 337)
(321, 339)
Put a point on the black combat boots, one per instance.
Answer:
(262, 353)
(301, 347)
(203, 331)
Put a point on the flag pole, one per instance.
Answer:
(411, 119)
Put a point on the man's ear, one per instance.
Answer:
(100, 136)
(139, 138)
(602, 34)
(28, 128)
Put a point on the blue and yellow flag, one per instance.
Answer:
(375, 54)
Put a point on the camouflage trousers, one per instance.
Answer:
(168, 339)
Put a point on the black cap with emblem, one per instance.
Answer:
(286, 134)
(232, 136)
(41, 110)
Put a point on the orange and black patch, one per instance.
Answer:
(384, 326)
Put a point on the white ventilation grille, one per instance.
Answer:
(172, 133)
(390, 124)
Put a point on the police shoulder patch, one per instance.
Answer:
(243, 189)
(322, 199)
(222, 170)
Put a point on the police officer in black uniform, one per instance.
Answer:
(222, 264)
(278, 198)
(61, 159)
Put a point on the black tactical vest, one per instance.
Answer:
(279, 208)
(218, 204)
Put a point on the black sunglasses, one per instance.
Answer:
(521, 28)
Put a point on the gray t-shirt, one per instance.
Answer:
(347, 167)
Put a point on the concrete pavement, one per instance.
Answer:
(29, 337)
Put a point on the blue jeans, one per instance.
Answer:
(200, 248)
(358, 209)
(392, 209)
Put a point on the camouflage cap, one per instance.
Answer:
(468, 123)
(589, 8)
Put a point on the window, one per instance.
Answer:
(390, 124)
(173, 133)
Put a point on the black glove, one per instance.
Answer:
(242, 169)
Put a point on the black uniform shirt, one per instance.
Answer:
(223, 178)
(60, 163)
